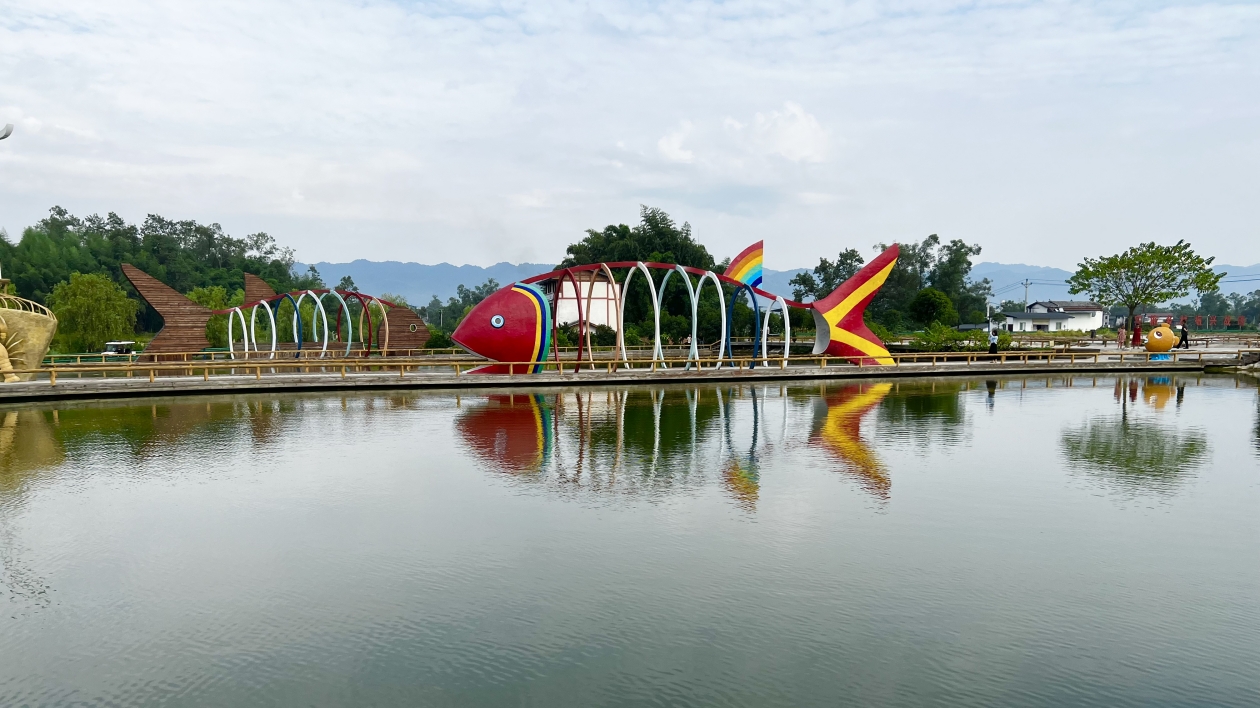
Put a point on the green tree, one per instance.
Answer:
(929, 263)
(656, 238)
(214, 297)
(933, 306)
(445, 318)
(183, 254)
(1145, 274)
(395, 298)
(91, 309)
(1012, 306)
(827, 276)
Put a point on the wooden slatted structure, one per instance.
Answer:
(183, 321)
(406, 330)
(257, 289)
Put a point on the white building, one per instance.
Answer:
(1057, 315)
(603, 301)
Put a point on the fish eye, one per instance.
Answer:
(496, 321)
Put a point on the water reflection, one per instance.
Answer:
(1134, 450)
(741, 475)
(926, 414)
(837, 428)
(1255, 437)
(637, 440)
(640, 440)
(656, 440)
(514, 432)
(26, 444)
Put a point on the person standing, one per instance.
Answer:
(1185, 337)
(993, 340)
(1120, 338)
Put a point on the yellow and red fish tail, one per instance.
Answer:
(838, 317)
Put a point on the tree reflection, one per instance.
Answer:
(924, 413)
(1134, 454)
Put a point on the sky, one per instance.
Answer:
(483, 132)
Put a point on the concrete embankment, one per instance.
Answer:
(260, 380)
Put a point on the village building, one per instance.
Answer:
(1056, 316)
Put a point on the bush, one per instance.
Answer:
(603, 336)
(634, 337)
(936, 337)
(674, 328)
(893, 320)
(939, 338)
(215, 298)
(438, 340)
(933, 306)
(880, 331)
(91, 309)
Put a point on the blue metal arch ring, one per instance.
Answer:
(297, 316)
(730, 322)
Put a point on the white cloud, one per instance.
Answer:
(445, 131)
(814, 198)
(791, 133)
(671, 144)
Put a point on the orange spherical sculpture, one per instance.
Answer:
(1161, 339)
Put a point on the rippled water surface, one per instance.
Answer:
(1092, 541)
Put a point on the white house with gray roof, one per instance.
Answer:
(1057, 315)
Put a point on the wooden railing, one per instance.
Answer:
(257, 368)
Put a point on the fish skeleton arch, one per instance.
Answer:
(657, 299)
(270, 306)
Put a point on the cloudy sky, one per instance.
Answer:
(480, 132)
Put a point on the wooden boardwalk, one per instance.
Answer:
(259, 378)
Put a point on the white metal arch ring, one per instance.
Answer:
(765, 331)
(349, 324)
(384, 323)
(625, 289)
(253, 334)
(692, 352)
(319, 313)
(244, 334)
(717, 284)
(590, 291)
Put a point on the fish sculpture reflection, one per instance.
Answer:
(838, 430)
(512, 432)
(515, 324)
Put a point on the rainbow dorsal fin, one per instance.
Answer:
(838, 317)
(746, 267)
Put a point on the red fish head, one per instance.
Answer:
(512, 325)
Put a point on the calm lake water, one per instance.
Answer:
(1015, 542)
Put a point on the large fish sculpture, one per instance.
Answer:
(516, 324)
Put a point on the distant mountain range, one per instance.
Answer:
(418, 282)
(1050, 283)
